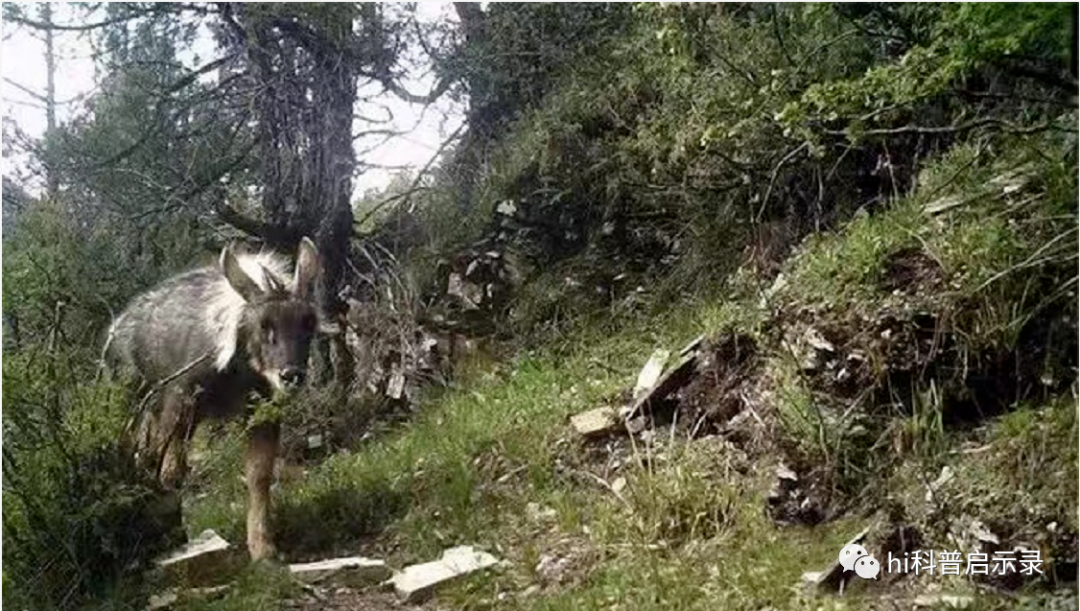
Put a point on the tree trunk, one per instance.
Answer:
(52, 180)
(307, 80)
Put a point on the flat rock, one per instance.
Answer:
(352, 571)
(205, 560)
(675, 378)
(595, 421)
(650, 373)
(417, 582)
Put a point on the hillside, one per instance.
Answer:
(779, 449)
(846, 234)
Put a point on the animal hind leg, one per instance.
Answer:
(174, 429)
(262, 450)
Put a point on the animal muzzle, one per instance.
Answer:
(293, 377)
(287, 380)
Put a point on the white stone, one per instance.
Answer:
(815, 339)
(206, 560)
(419, 581)
(650, 373)
(207, 543)
(783, 472)
(594, 421)
(355, 571)
(618, 485)
(164, 600)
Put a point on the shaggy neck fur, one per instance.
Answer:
(225, 311)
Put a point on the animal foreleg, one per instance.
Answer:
(262, 450)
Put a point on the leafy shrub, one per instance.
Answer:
(77, 515)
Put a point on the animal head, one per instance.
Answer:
(278, 320)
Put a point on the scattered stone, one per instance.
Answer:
(983, 534)
(833, 578)
(395, 388)
(650, 373)
(618, 485)
(532, 590)
(553, 570)
(539, 513)
(636, 425)
(674, 379)
(783, 472)
(205, 560)
(944, 478)
(595, 421)
(818, 341)
(952, 601)
(507, 207)
(161, 601)
(693, 346)
(353, 571)
(778, 285)
(168, 599)
(417, 582)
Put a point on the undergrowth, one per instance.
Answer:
(491, 461)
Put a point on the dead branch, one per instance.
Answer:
(1003, 125)
(415, 186)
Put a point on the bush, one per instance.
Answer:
(77, 515)
(656, 160)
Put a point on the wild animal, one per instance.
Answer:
(200, 344)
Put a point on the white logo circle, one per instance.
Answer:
(867, 567)
(850, 554)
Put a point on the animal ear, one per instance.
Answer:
(271, 281)
(238, 279)
(307, 267)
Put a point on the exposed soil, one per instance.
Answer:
(910, 269)
(720, 389)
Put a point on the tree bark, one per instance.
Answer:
(52, 180)
(307, 79)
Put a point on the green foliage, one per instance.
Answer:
(654, 159)
(961, 41)
(651, 158)
(64, 280)
(77, 515)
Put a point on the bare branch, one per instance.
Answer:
(393, 87)
(388, 133)
(415, 186)
(83, 27)
(952, 129)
